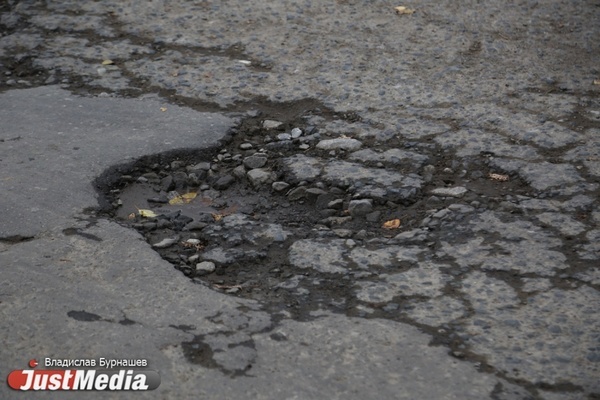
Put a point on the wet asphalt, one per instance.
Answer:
(476, 124)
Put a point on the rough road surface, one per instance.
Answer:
(304, 199)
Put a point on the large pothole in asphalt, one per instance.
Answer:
(284, 214)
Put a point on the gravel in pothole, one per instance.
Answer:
(303, 219)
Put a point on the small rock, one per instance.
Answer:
(428, 173)
(195, 226)
(361, 235)
(205, 267)
(180, 179)
(360, 207)
(304, 146)
(270, 124)
(458, 191)
(408, 235)
(340, 143)
(336, 204)
(177, 164)
(193, 242)
(313, 193)
(239, 171)
(332, 221)
(280, 186)
(350, 243)
(297, 193)
(343, 233)
(462, 208)
(259, 176)
(161, 199)
(441, 214)
(224, 182)
(284, 136)
(165, 243)
(167, 183)
(255, 161)
(245, 146)
(296, 133)
(148, 226)
(163, 224)
(433, 201)
(193, 179)
(193, 258)
(203, 166)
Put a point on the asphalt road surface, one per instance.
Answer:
(383, 202)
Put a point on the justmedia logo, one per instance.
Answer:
(83, 379)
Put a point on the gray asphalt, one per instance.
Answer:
(515, 84)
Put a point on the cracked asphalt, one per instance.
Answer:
(304, 127)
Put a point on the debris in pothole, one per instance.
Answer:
(498, 177)
(261, 210)
(403, 10)
(392, 224)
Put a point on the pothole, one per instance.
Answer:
(287, 215)
(304, 219)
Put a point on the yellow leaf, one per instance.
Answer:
(183, 199)
(108, 62)
(163, 109)
(217, 217)
(597, 82)
(147, 213)
(400, 10)
(391, 224)
(498, 177)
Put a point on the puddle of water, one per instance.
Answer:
(135, 197)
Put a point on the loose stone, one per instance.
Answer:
(270, 124)
(204, 166)
(245, 146)
(205, 267)
(458, 191)
(239, 171)
(284, 136)
(255, 161)
(297, 193)
(296, 133)
(336, 204)
(360, 207)
(259, 176)
(343, 233)
(165, 243)
(161, 199)
(224, 182)
(340, 143)
(280, 186)
(177, 164)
